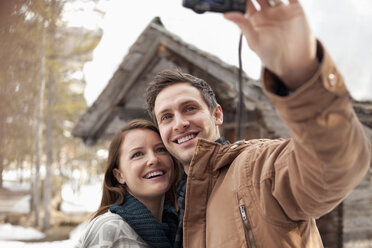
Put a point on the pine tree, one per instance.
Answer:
(36, 48)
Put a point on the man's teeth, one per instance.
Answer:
(186, 138)
(154, 174)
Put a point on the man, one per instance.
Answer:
(264, 193)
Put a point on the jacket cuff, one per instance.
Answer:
(313, 96)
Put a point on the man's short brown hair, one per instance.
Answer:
(170, 77)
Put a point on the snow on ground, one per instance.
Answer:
(76, 198)
(86, 199)
(23, 206)
(12, 180)
(15, 186)
(7, 231)
(10, 232)
(55, 244)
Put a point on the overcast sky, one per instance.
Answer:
(344, 27)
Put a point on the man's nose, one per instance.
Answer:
(181, 123)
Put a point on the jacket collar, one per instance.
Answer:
(212, 156)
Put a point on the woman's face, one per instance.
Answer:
(146, 168)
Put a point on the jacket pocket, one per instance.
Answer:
(247, 228)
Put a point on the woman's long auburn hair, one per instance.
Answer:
(113, 192)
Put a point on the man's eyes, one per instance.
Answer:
(186, 109)
(190, 108)
(165, 117)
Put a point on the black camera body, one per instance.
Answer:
(201, 6)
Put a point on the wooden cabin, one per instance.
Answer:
(157, 49)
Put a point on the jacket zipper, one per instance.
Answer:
(246, 224)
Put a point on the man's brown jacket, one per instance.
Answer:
(268, 193)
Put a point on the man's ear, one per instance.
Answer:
(119, 176)
(218, 115)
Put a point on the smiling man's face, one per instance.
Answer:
(183, 117)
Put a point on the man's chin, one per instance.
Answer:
(185, 160)
(183, 155)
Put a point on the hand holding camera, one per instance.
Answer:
(277, 32)
(280, 35)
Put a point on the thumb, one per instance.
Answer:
(235, 17)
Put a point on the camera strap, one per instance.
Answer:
(240, 104)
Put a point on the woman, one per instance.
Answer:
(138, 201)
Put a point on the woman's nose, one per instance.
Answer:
(152, 159)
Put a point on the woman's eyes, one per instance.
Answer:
(161, 149)
(157, 150)
(137, 154)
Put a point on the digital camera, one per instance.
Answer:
(201, 6)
